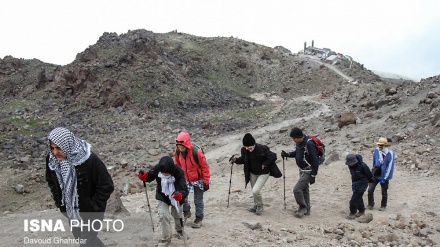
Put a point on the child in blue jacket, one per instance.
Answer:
(360, 177)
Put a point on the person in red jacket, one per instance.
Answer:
(197, 174)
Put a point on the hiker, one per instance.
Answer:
(79, 182)
(306, 157)
(171, 191)
(192, 160)
(360, 176)
(382, 169)
(257, 159)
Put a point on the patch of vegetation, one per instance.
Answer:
(241, 114)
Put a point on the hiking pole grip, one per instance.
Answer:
(145, 184)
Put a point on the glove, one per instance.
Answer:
(284, 154)
(312, 180)
(205, 187)
(178, 196)
(143, 175)
(232, 159)
(383, 180)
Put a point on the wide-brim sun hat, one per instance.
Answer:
(383, 141)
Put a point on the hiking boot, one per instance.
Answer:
(351, 216)
(370, 207)
(197, 223)
(382, 208)
(187, 215)
(180, 235)
(259, 210)
(300, 213)
(308, 210)
(164, 242)
(359, 214)
(253, 209)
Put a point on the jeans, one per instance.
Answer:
(372, 187)
(163, 211)
(198, 202)
(301, 190)
(257, 183)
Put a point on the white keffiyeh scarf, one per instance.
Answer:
(382, 154)
(77, 152)
(167, 184)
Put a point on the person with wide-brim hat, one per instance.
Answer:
(382, 169)
(383, 142)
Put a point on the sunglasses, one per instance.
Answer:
(180, 142)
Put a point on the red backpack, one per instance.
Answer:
(320, 147)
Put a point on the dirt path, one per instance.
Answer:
(336, 70)
(230, 144)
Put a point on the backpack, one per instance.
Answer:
(195, 149)
(320, 147)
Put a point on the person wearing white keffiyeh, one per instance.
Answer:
(171, 191)
(78, 180)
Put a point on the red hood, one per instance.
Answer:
(184, 136)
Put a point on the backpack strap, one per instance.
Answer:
(195, 149)
(305, 146)
(195, 155)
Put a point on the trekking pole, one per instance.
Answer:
(230, 179)
(182, 225)
(148, 201)
(284, 178)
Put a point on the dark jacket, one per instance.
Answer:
(94, 185)
(179, 183)
(360, 172)
(305, 159)
(261, 155)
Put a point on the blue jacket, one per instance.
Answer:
(360, 173)
(387, 166)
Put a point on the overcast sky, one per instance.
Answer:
(399, 37)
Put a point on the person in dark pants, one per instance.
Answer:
(306, 157)
(79, 182)
(257, 159)
(383, 170)
(360, 176)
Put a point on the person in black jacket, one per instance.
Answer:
(79, 182)
(257, 160)
(306, 157)
(171, 191)
(360, 177)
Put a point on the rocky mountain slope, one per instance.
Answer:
(130, 94)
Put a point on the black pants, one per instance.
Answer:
(372, 187)
(357, 201)
(87, 234)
